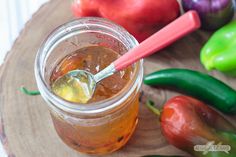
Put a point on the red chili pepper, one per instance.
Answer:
(187, 122)
(141, 18)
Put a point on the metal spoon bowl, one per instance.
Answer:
(75, 86)
(79, 85)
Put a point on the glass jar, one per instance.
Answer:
(100, 127)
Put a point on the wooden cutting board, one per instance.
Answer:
(26, 123)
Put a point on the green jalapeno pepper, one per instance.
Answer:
(220, 50)
(196, 84)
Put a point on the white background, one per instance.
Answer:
(13, 15)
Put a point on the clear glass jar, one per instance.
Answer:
(100, 127)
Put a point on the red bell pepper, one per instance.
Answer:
(141, 18)
(187, 122)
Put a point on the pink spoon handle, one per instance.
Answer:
(172, 32)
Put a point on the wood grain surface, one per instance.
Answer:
(26, 120)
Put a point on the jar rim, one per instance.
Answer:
(56, 36)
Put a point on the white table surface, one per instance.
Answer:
(13, 16)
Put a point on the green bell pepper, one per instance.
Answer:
(220, 51)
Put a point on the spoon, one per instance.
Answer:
(85, 82)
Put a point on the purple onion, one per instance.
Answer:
(213, 13)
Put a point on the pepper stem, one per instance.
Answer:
(150, 105)
(28, 92)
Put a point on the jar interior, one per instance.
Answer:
(75, 35)
(71, 44)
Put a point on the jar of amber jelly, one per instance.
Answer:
(104, 124)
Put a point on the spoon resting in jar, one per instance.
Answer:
(86, 82)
